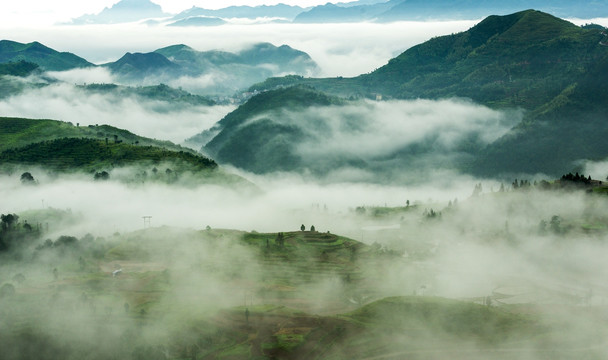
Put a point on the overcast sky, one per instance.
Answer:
(45, 12)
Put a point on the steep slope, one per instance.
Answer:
(558, 135)
(43, 56)
(140, 65)
(260, 135)
(528, 60)
(522, 59)
(20, 68)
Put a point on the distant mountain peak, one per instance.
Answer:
(123, 11)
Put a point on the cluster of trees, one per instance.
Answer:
(431, 214)
(20, 68)
(103, 175)
(13, 233)
(303, 228)
(67, 153)
(523, 184)
(554, 226)
(576, 178)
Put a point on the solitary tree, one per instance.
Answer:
(312, 228)
(280, 240)
(302, 228)
(104, 175)
(27, 178)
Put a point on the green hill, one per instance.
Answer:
(284, 57)
(523, 59)
(19, 132)
(528, 60)
(267, 143)
(45, 57)
(138, 65)
(62, 147)
(91, 154)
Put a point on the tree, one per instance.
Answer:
(104, 175)
(27, 179)
(312, 228)
(555, 224)
(302, 228)
(8, 221)
(280, 240)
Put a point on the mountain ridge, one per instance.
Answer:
(43, 56)
(527, 60)
(121, 12)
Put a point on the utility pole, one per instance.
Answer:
(147, 220)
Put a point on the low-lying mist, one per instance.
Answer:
(451, 238)
(166, 120)
(339, 49)
(391, 142)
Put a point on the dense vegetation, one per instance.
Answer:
(160, 92)
(45, 57)
(265, 144)
(554, 70)
(90, 154)
(19, 68)
(18, 132)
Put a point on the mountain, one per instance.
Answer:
(138, 65)
(123, 11)
(159, 92)
(529, 60)
(17, 132)
(332, 13)
(266, 144)
(198, 21)
(400, 10)
(233, 71)
(61, 147)
(283, 11)
(45, 57)
(285, 58)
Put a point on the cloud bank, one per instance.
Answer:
(155, 119)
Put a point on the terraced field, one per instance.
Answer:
(224, 294)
